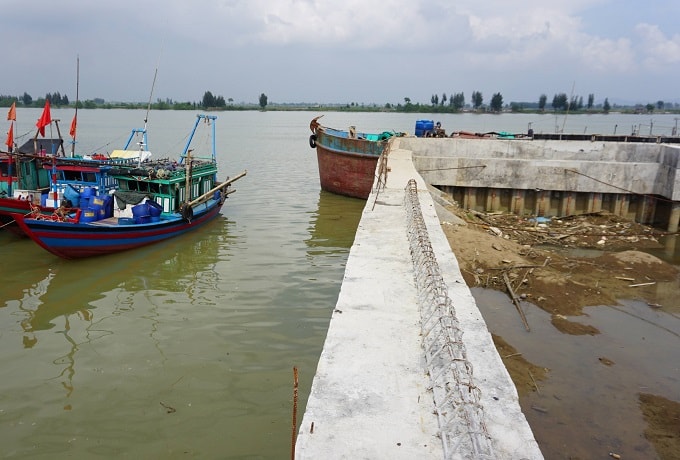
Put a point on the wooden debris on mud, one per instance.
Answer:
(594, 230)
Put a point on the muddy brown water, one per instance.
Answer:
(588, 405)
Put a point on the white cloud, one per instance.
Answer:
(604, 55)
(656, 49)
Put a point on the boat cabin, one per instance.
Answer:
(166, 183)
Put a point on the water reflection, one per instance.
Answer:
(74, 286)
(76, 300)
(670, 251)
(333, 225)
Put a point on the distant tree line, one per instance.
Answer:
(453, 103)
(210, 101)
(560, 103)
(56, 99)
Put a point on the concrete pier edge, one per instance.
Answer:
(372, 396)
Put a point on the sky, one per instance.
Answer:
(342, 51)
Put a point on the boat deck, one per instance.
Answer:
(108, 222)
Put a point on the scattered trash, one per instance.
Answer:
(594, 230)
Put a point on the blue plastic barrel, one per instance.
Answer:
(155, 209)
(106, 209)
(96, 204)
(89, 215)
(141, 209)
(142, 219)
(88, 192)
(422, 126)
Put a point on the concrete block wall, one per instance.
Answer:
(640, 181)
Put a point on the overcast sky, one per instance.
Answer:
(342, 51)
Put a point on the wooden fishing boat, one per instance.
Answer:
(347, 160)
(35, 179)
(12, 198)
(154, 201)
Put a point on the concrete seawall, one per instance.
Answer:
(395, 380)
(639, 181)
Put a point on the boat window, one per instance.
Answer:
(139, 186)
(4, 169)
(70, 175)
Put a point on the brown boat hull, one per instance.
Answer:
(347, 160)
(348, 174)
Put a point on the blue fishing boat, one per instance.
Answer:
(154, 201)
(38, 179)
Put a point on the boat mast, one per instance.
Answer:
(146, 117)
(208, 119)
(75, 117)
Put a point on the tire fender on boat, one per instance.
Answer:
(187, 212)
(312, 141)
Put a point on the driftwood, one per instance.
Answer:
(574, 216)
(516, 301)
(535, 384)
(512, 355)
(481, 216)
(515, 266)
(545, 263)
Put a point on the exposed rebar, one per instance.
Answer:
(456, 397)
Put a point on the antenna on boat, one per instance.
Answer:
(148, 106)
(142, 143)
(73, 130)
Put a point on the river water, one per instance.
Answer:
(187, 348)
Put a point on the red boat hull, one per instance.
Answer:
(348, 174)
(8, 208)
(347, 161)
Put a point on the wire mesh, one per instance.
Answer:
(456, 397)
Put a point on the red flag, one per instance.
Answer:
(45, 119)
(12, 114)
(10, 137)
(72, 132)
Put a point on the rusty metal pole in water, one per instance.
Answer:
(295, 400)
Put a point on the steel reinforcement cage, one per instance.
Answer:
(456, 397)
